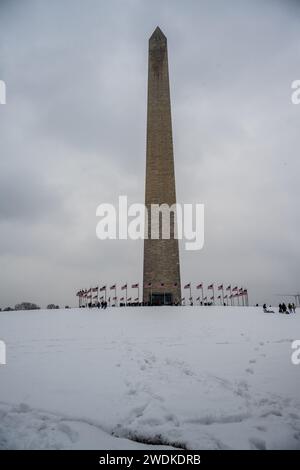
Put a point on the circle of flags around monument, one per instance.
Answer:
(213, 294)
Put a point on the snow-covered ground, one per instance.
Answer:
(128, 378)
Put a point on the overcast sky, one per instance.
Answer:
(73, 132)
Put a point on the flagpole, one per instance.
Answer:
(190, 293)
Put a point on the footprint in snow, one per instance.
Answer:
(257, 444)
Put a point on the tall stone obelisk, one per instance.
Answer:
(161, 283)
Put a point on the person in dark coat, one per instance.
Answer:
(284, 309)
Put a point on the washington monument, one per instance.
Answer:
(161, 281)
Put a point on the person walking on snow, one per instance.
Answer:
(284, 309)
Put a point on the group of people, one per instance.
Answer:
(291, 308)
(102, 304)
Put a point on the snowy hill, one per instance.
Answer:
(125, 378)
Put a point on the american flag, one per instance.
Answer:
(124, 287)
(228, 288)
(136, 300)
(212, 298)
(235, 289)
(135, 286)
(95, 297)
(199, 286)
(115, 298)
(241, 290)
(198, 298)
(129, 299)
(102, 288)
(187, 286)
(220, 287)
(211, 286)
(95, 289)
(113, 287)
(205, 298)
(121, 299)
(149, 284)
(225, 296)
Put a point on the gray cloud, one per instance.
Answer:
(73, 135)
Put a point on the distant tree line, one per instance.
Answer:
(27, 306)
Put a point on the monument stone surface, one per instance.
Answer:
(161, 277)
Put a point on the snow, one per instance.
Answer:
(149, 378)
